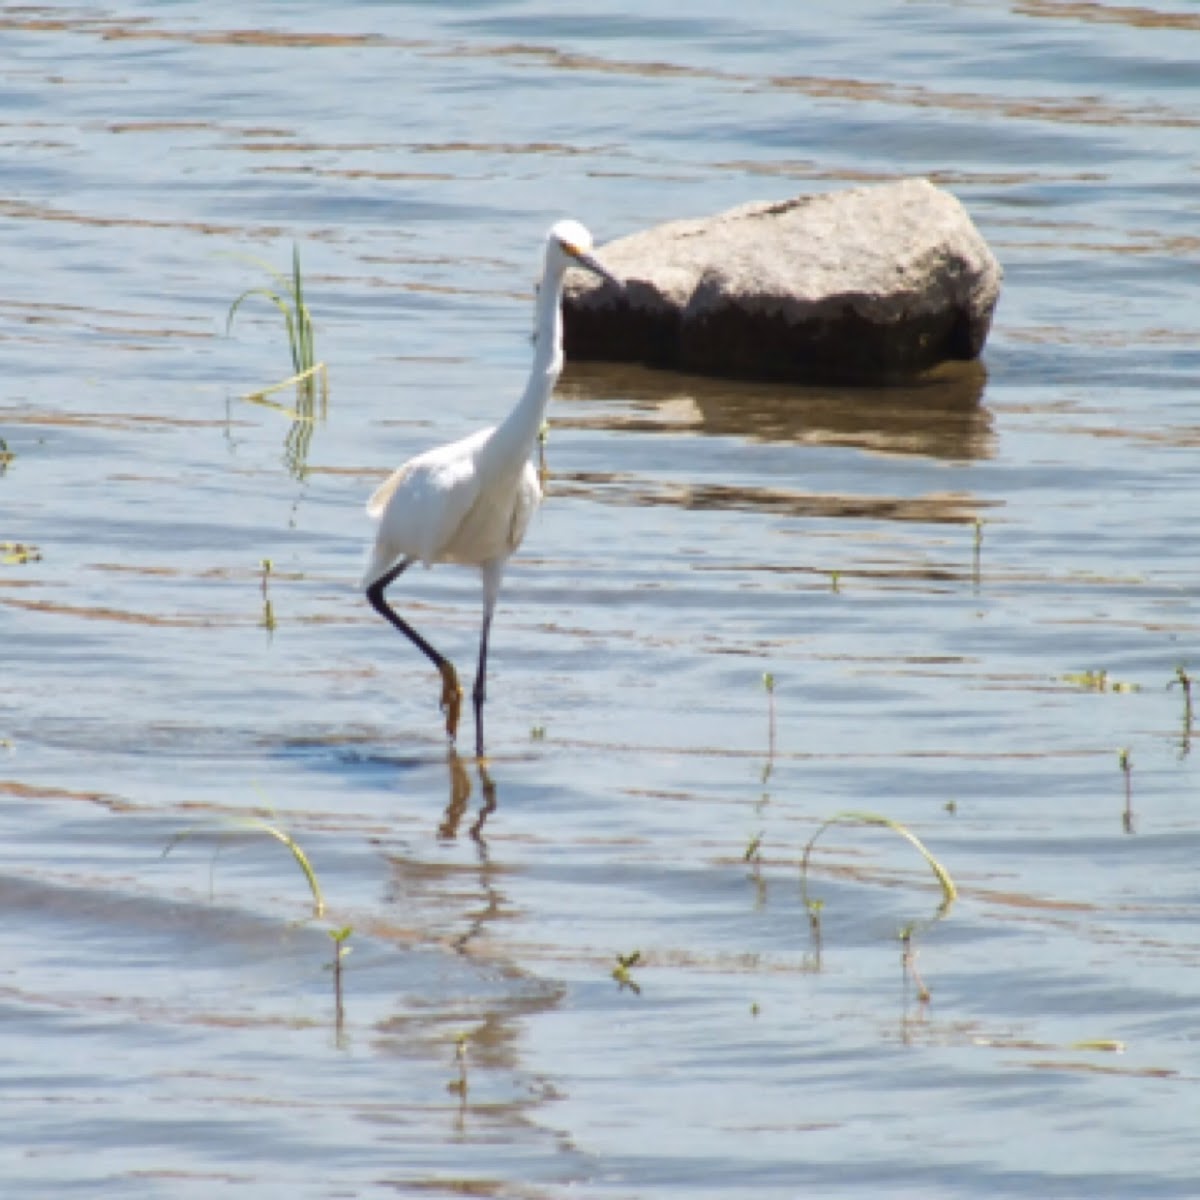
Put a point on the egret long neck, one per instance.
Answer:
(514, 437)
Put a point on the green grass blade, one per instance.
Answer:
(257, 823)
(298, 854)
(949, 890)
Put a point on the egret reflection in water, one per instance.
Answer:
(460, 797)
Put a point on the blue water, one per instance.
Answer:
(171, 1020)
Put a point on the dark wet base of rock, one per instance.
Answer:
(740, 345)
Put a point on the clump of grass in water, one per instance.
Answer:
(288, 297)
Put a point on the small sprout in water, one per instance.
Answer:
(268, 618)
(908, 957)
(1098, 681)
(835, 581)
(769, 683)
(19, 553)
(340, 950)
(1125, 762)
(537, 733)
(460, 1085)
(951, 806)
(754, 1009)
(625, 963)
(6, 455)
(753, 850)
(1184, 681)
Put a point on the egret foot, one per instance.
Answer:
(452, 695)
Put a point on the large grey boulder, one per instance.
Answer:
(868, 285)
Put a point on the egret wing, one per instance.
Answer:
(423, 503)
(384, 492)
(529, 496)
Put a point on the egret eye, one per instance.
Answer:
(569, 248)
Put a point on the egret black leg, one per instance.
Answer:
(479, 692)
(451, 691)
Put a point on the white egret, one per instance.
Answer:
(471, 501)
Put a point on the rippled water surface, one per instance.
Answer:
(974, 597)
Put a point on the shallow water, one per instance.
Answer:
(171, 1022)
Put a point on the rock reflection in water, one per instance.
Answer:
(940, 415)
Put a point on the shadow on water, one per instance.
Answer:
(940, 415)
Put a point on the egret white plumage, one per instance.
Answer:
(471, 501)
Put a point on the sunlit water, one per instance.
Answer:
(170, 1022)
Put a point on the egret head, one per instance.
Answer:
(570, 245)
